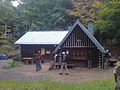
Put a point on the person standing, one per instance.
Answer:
(55, 60)
(64, 64)
(38, 58)
(107, 57)
(107, 54)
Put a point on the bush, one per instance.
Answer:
(13, 64)
(17, 58)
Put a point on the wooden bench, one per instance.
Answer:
(112, 61)
(59, 64)
(71, 65)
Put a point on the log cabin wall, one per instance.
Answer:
(29, 51)
(78, 39)
(78, 44)
(79, 56)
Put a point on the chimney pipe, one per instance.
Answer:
(90, 28)
(69, 27)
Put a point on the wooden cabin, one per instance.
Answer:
(77, 41)
(44, 41)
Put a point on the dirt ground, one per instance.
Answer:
(75, 74)
(28, 73)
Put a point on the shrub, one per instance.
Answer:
(17, 58)
(13, 64)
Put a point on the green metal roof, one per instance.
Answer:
(42, 37)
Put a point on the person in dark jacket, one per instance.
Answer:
(107, 54)
(64, 64)
(107, 57)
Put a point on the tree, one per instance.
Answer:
(109, 24)
(6, 17)
(43, 14)
(84, 10)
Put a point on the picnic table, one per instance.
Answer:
(28, 60)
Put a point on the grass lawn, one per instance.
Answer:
(52, 85)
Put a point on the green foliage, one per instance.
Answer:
(51, 85)
(109, 23)
(12, 65)
(6, 18)
(41, 15)
(6, 49)
(17, 59)
(83, 10)
(58, 15)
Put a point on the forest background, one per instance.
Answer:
(40, 15)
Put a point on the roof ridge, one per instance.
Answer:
(50, 31)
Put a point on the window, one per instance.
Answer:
(43, 51)
(47, 51)
(79, 54)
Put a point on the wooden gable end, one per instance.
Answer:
(78, 38)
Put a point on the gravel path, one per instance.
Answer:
(15, 73)
(76, 75)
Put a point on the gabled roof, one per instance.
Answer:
(42, 37)
(98, 45)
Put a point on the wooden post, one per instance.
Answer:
(102, 61)
(21, 57)
(32, 61)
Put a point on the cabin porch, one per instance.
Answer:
(80, 56)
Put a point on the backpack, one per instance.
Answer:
(64, 58)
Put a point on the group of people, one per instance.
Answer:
(62, 59)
